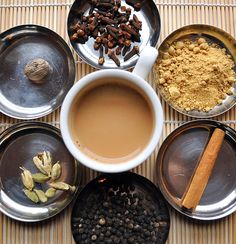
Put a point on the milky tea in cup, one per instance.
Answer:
(111, 120)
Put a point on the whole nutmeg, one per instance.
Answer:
(37, 69)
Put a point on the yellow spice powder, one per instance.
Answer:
(195, 75)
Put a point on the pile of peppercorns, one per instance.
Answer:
(119, 214)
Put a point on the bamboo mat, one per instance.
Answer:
(174, 14)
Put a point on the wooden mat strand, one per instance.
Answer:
(174, 14)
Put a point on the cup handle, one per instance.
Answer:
(145, 62)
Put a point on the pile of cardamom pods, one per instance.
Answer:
(48, 172)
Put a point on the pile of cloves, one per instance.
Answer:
(113, 27)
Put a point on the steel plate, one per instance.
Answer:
(19, 97)
(176, 161)
(211, 34)
(18, 144)
(94, 193)
(149, 15)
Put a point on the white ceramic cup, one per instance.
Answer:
(141, 70)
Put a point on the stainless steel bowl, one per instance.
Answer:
(121, 186)
(149, 15)
(211, 34)
(19, 97)
(177, 159)
(19, 144)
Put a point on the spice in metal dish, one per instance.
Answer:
(50, 192)
(72, 188)
(119, 214)
(31, 195)
(56, 171)
(37, 69)
(60, 186)
(40, 178)
(41, 195)
(49, 172)
(43, 162)
(27, 179)
(113, 26)
(195, 75)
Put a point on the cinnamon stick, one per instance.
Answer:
(202, 173)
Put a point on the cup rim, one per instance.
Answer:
(114, 167)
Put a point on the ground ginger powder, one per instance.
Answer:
(195, 75)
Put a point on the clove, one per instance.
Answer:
(112, 56)
(130, 30)
(112, 33)
(95, 33)
(135, 24)
(108, 21)
(105, 43)
(135, 4)
(105, 6)
(119, 49)
(133, 52)
(125, 50)
(101, 59)
(113, 29)
(96, 45)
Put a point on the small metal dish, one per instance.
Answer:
(18, 144)
(176, 161)
(111, 187)
(151, 24)
(211, 34)
(19, 97)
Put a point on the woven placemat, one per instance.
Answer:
(174, 14)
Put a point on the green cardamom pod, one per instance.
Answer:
(31, 195)
(40, 178)
(39, 164)
(72, 189)
(41, 195)
(43, 164)
(46, 157)
(27, 179)
(56, 171)
(50, 192)
(60, 186)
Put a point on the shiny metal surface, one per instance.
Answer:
(211, 34)
(177, 158)
(149, 15)
(19, 97)
(18, 144)
(104, 184)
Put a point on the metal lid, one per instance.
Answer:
(18, 145)
(177, 159)
(116, 193)
(19, 97)
(213, 35)
(151, 25)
